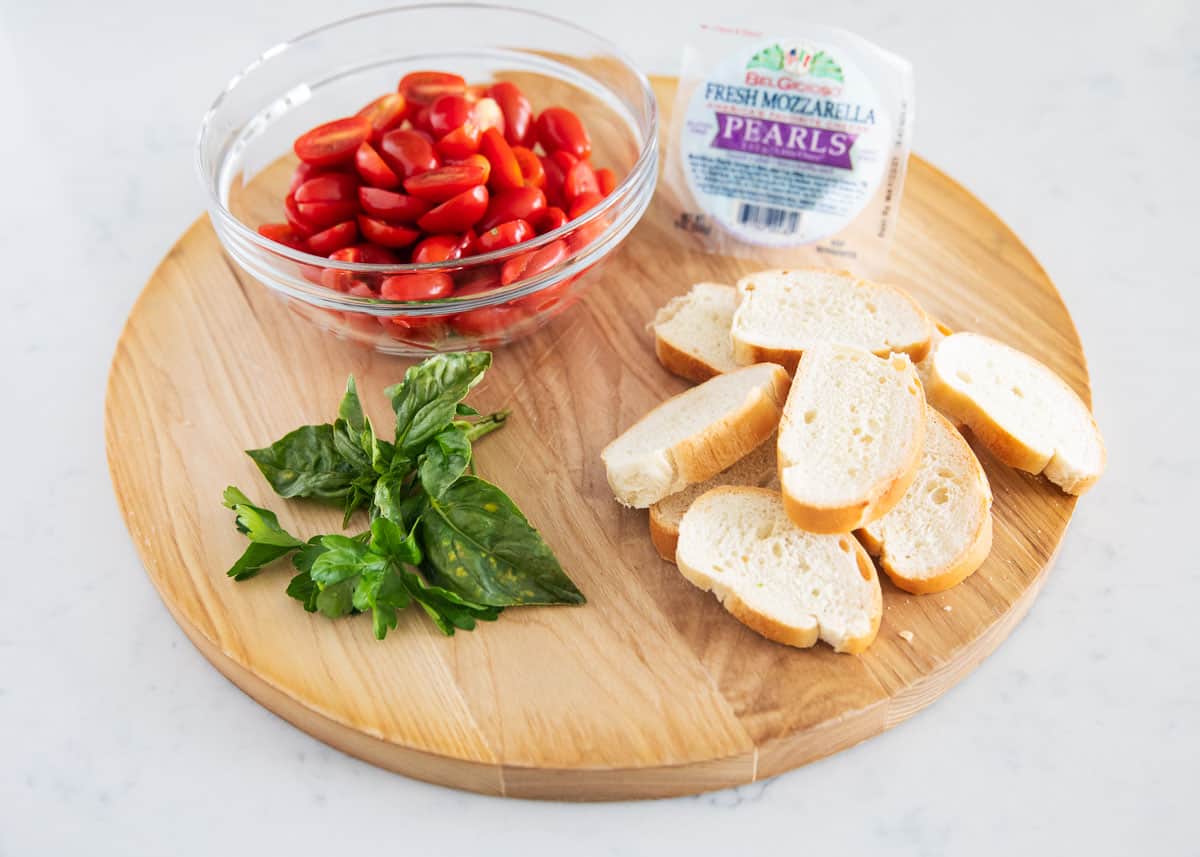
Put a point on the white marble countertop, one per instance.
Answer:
(1078, 123)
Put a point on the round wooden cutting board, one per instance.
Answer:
(649, 690)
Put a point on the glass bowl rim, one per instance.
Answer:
(647, 161)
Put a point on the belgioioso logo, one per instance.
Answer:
(797, 61)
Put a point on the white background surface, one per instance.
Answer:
(1079, 125)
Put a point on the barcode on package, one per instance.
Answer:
(781, 220)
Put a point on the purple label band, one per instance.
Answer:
(784, 140)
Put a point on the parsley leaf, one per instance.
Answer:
(268, 540)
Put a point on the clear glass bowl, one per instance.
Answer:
(244, 159)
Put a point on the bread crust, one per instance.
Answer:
(1007, 447)
(664, 536)
(772, 628)
(685, 365)
(747, 352)
(706, 454)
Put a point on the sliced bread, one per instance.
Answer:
(925, 365)
(941, 531)
(789, 585)
(783, 313)
(850, 438)
(696, 434)
(756, 469)
(1023, 412)
(691, 332)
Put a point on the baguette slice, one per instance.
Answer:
(850, 439)
(1019, 409)
(924, 366)
(691, 332)
(756, 469)
(790, 586)
(695, 435)
(941, 531)
(783, 313)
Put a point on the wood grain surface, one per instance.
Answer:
(649, 690)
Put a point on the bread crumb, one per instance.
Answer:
(948, 609)
(906, 636)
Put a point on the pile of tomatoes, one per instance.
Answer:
(436, 172)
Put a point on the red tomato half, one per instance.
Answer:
(423, 87)
(438, 248)
(460, 143)
(505, 235)
(447, 113)
(486, 113)
(607, 180)
(294, 219)
(373, 169)
(334, 238)
(458, 213)
(416, 286)
(334, 142)
(534, 262)
(505, 172)
(532, 171)
(391, 206)
(583, 203)
(408, 153)
(384, 114)
(518, 114)
(521, 203)
(386, 234)
(549, 219)
(580, 179)
(488, 321)
(283, 233)
(558, 129)
(445, 182)
(328, 187)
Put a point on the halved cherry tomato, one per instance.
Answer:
(283, 233)
(327, 199)
(408, 153)
(583, 202)
(458, 213)
(580, 179)
(543, 299)
(387, 234)
(554, 182)
(334, 238)
(391, 206)
(607, 180)
(488, 321)
(384, 114)
(504, 235)
(549, 219)
(438, 248)
(474, 281)
(445, 182)
(447, 113)
(565, 160)
(522, 203)
(558, 129)
(534, 262)
(416, 286)
(505, 172)
(483, 162)
(420, 120)
(474, 92)
(531, 166)
(460, 143)
(334, 142)
(305, 171)
(467, 243)
(373, 169)
(486, 113)
(347, 281)
(423, 87)
(292, 213)
(518, 113)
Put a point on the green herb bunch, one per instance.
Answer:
(440, 537)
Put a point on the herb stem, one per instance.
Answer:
(485, 425)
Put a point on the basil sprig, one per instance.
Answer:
(440, 537)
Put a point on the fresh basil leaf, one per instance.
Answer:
(342, 559)
(447, 609)
(350, 410)
(465, 410)
(305, 590)
(427, 399)
(446, 458)
(380, 451)
(390, 541)
(337, 600)
(391, 492)
(479, 545)
(268, 540)
(308, 462)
